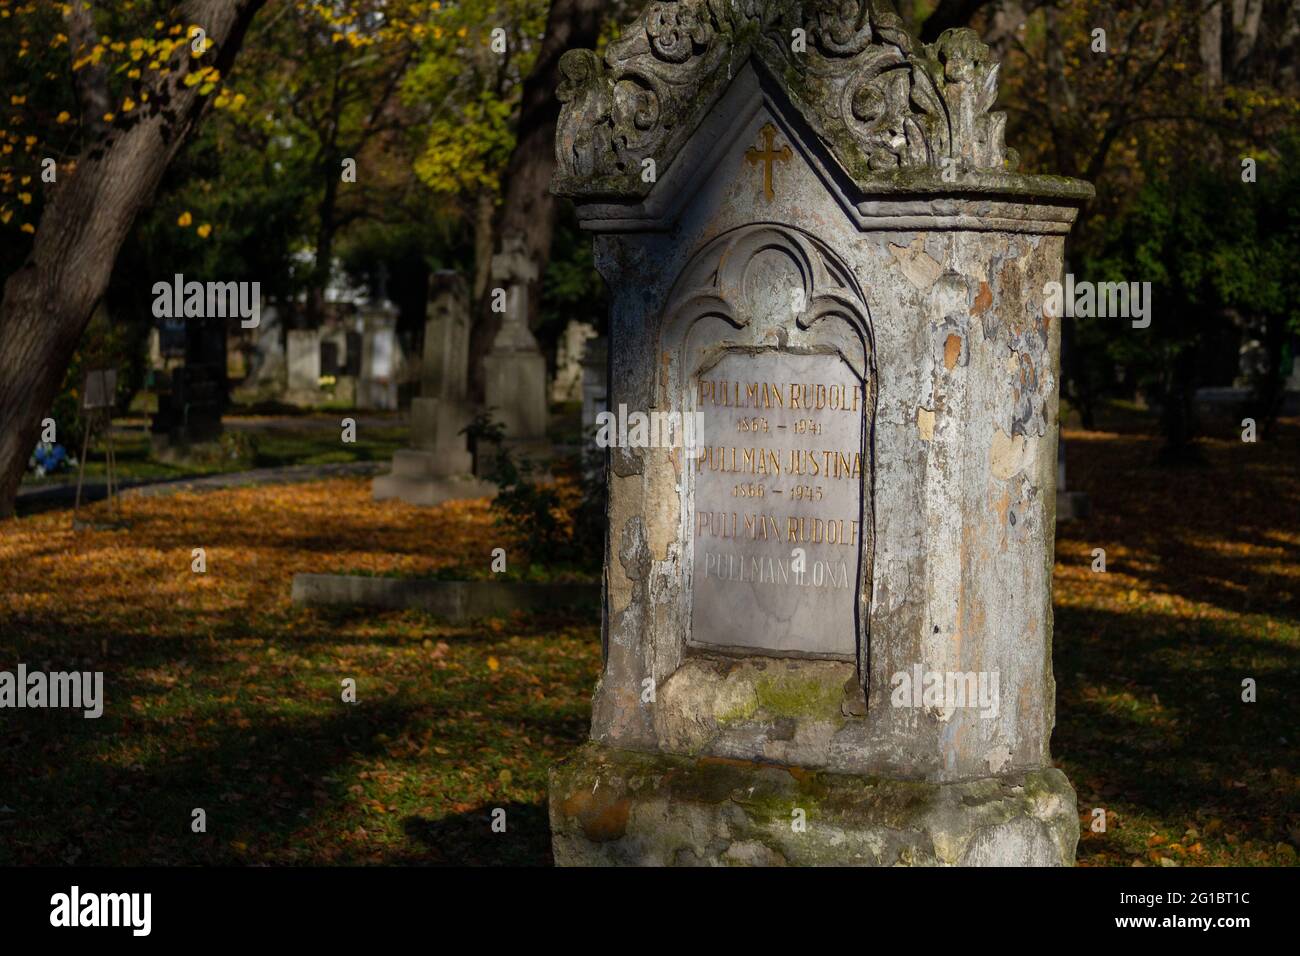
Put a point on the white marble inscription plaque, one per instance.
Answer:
(778, 504)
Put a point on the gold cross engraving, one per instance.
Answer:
(767, 155)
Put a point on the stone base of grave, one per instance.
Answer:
(430, 478)
(619, 808)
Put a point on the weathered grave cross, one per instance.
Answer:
(767, 155)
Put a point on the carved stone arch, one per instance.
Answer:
(723, 303)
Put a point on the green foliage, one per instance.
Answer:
(559, 521)
(572, 289)
(1208, 260)
(472, 91)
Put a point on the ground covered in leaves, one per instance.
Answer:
(1201, 592)
(223, 696)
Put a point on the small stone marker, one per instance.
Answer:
(827, 627)
(381, 358)
(570, 353)
(303, 356)
(1070, 505)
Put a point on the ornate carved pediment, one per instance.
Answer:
(881, 100)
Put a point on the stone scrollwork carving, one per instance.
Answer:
(883, 101)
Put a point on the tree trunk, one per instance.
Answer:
(49, 299)
(1246, 16)
(484, 213)
(529, 207)
(91, 81)
(1212, 47)
(326, 228)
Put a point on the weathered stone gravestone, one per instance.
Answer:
(439, 466)
(514, 370)
(266, 364)
(1070, 505)
(595, 384)
(381, 359)
(302, 348)
(827, 629)
(570, 353)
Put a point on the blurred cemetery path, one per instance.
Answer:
(274, 448)
(222, 694)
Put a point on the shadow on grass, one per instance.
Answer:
(1189, 530)
(468, 838)
(1150, 720)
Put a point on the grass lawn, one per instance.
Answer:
(221, 695)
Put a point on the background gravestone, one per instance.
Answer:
(514, 371)
(381, 358)
(193, 396)
(266, 366)
(836, 267)
(439, 466)
(570, 354)
(303, 358)
(595, 384)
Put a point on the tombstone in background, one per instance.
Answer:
(267, 371)
(827, 624)
(569, 355)
(1291, 387)
(352, 350)
(154, 348)
(514, 370)
(1070, 505)
(303, 359)
(191, 396)
(330, 357)
(438, 467)
(1252, 361)
(380, 358)
(595, 385)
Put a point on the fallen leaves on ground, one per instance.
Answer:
(222, 695)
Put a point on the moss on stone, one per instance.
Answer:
(798, 695)
(614, 806)
(738, 713)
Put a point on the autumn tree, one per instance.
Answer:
(1118, 95)
(469, 75)
(148, 85)
(322, 83)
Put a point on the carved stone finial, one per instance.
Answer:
(883, 101)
